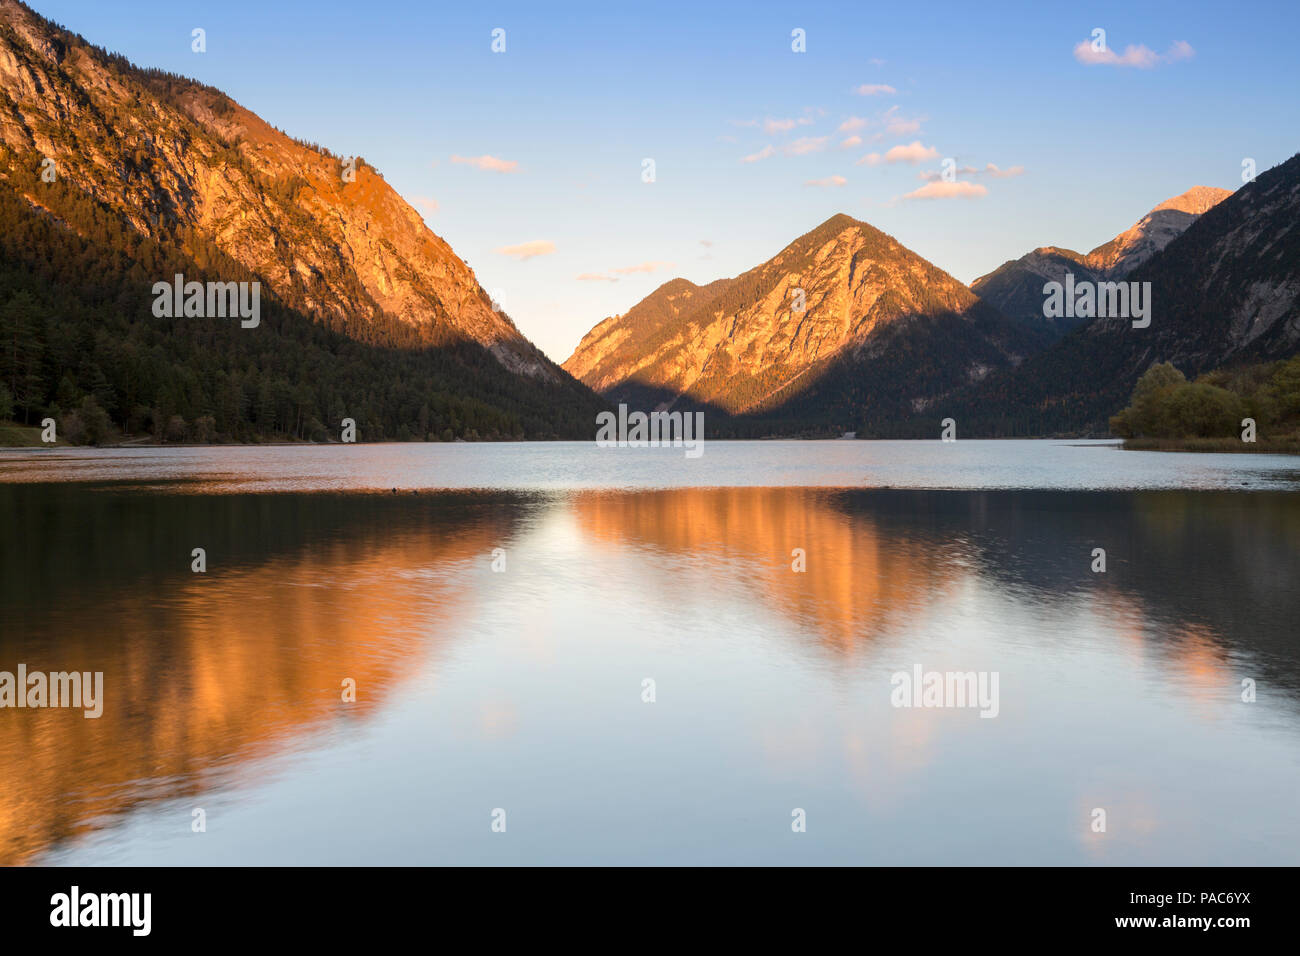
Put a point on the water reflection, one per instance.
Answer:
(207, 672)
(777, 681)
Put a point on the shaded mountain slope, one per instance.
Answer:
(1226, 291)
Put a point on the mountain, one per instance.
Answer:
(1016, 287)
(179, 165)
(1224, 292)
(1150, 234)
(604, 355)
(882, 334)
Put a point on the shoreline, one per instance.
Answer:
(1233, 446)
(14, 436)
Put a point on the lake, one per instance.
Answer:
(570, 655)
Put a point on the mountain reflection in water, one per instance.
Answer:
(522, 688)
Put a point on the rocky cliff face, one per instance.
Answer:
(184, 164)
(1016, 287)
(844, 295)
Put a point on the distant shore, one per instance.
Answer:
(15, 435)
(1284, 446)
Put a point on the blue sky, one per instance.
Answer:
(585, 92)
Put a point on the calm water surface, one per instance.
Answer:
(566, 466)
(522, 689)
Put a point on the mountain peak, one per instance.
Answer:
(836, 224)
(1150, 234)
(1227, 292)
(842, 305)
(1016, 287)
(840, 220)
(1196, 200)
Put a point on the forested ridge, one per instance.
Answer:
(79, 343)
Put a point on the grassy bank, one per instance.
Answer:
(15, 435)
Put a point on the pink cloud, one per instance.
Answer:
(805, 145)
(912, 153)
(528, 250)
(644, 267)
(489, 163)
(828, 181)
(1140, 56)
(942, 190)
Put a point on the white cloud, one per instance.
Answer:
(595, 277)
(828, 181)
(851, 142)
(774, 126)
(852, 123)
(991, 169)
(942, 190)
(527, 250)
(763, 153)
(875, 89)
(898, 125)
(490, 163)
(902, 127)
(427, 203)
(1140, 56)
(934, 175)
(805, 145)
